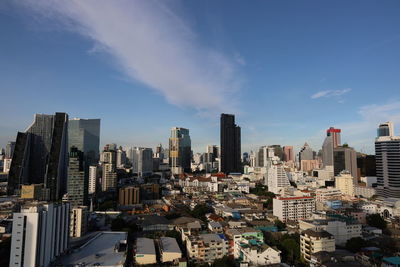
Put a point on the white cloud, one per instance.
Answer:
(330, 93)
(152, 44)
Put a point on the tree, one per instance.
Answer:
(355, 244)
(200, 211)
(377, 221)
(291, 249)
(223, 262)
(280, 225)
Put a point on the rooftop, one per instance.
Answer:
(169, 244)
(99, 251)
(145, 246)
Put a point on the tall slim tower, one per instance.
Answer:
(332, 141)
(230, 144)
(77, 187)
(180, 150)
(387, 152)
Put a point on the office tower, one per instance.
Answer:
(120, 158)
(335, 133)
(109, 176)
(386, 129)
(211, 153)
(366, 165)
(9, 150)
(345, 158)
(92, 180)
(278, 151)
(179, 150)
(79, 221)
(332, 140)
(288, 154)
(77, 187)
(129, 196)
(306, 153)
(159, 153)
(39, 234)
(40, 156)
(264, 155)
(387, 153)
(141, 159)
(230, 145)
(84, 134)
(245, 157)
(6, 165)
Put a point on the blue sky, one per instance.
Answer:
(287, 69)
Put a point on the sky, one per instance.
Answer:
(288, 70)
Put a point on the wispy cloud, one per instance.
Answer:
(152, 44)
(330, 93)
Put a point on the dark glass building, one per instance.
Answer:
(77, 186)
(41, 156)
(230, 145)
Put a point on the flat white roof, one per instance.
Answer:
(98, 251)
(145, 246)
(169, 244)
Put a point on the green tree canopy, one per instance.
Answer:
(377, 221)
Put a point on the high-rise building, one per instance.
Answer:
(386, 129)
(366, 165)
(92, 180)
(129, 196)
(306, 153)
(84, 134)
(179, 150)
(345, 158)
(9, 150)
(109, 175)
(230, 145)
(142, 160)
(39, 234)
(120, 158)
(332, 141)
(345, 183)
(387, 153)
(77, 187)
(40, 156)
(288, 154)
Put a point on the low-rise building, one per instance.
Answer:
(145, 251)
(257, 253)
(312, 241)
(206, 247)
(169, 249)
(79, 221)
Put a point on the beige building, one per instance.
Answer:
(129, 195)
(145, 251)
(293, 208)
(33, 191)
(206, 247)
(345, 183)
(169, 249)
(312, 241)
(109, 178)
(79, 221)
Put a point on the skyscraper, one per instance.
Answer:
(306, 153)
(179, 150)
(9, 150)
(77, 187)
(109, 176)
(288, 154)
(40, 156)
(387, 152)
(345, 159)
(142, 160)
(331, 141)
(230, 144)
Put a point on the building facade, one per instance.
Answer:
(293, 208)
(180, 150)
(230, 145)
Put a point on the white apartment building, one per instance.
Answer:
(79, 221)
(345, 183)
(293, 208)
(341, 231)
(92, 179)
(39, 235)
(364, 191)
(6, 165)
(312, 241)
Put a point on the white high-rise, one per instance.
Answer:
(387, 151)
(40, 234)
(142, 160)
(92, 179)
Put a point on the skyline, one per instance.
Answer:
(287, 76)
